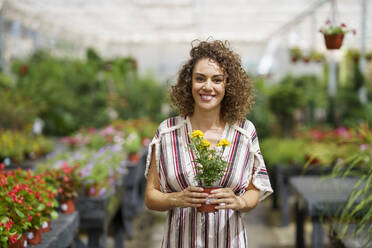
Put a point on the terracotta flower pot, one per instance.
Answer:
(333, 41)
(133, 157)
(34, 236)
(68, 206)
(45, 226)
(207, 207)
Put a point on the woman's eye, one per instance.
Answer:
(199, 79)
(218, 80)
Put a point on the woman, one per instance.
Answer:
(213, 94)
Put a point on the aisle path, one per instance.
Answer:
(262, 226)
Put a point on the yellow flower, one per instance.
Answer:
(197, 133)
(205, 143)
(223, 142)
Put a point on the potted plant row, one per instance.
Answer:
(16, 146)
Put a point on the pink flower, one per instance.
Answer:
(343, 25)
(328, 22)
(353, 31)
(363, 147)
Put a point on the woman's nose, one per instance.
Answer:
(208, 84)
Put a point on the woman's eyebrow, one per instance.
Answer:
(201, 74)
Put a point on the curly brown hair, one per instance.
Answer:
(238, 98)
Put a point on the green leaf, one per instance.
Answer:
(4, 219)
(19, 213)
(54, 214)
(41, 207)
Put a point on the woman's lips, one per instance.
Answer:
(206, 97)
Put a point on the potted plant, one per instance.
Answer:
(316, 56)
(369, 56)
(295, 53)
(334, 34)
(70, 181)
(210, 167)
(22, 204)
(353, 54)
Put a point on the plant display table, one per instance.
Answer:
(62, 233)
(282, 187)
(96, 213)
(119, 209)
(318, 197)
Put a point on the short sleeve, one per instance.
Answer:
(260, 178)
(156, 143)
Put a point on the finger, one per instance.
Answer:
(193, 205)
(221, 190)
(221, 195)
(197, 195)
(197, 200)
(195, 189)
(225, 200)
(228, 206)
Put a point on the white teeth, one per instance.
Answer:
(206, 97)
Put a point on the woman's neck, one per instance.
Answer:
(206, 120)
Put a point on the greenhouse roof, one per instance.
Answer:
(103, 23)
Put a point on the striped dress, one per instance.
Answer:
(186, 227)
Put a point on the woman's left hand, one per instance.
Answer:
(228, 197)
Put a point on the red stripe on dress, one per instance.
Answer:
(238, 187)
(178, 177)
(230, 158)
(191, 152)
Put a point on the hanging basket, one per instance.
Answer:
(333, 41)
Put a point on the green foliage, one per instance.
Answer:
(303, 93)
(350, 110)
(17, 110)
(70, 93)
(283, 151)
(260, 114)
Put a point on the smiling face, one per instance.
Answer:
(208, 85)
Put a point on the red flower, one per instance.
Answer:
(343, 25)
(66, 168)
(13, 239)
(2, 166)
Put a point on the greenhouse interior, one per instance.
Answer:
(86, 87)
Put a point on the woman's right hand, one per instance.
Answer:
(190, 197)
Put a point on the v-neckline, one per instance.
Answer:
(222, 136)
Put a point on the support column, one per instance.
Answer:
(362, 91)
(332, 73)
(2, 42)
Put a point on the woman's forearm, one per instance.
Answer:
(249, 200)
(157, 200)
